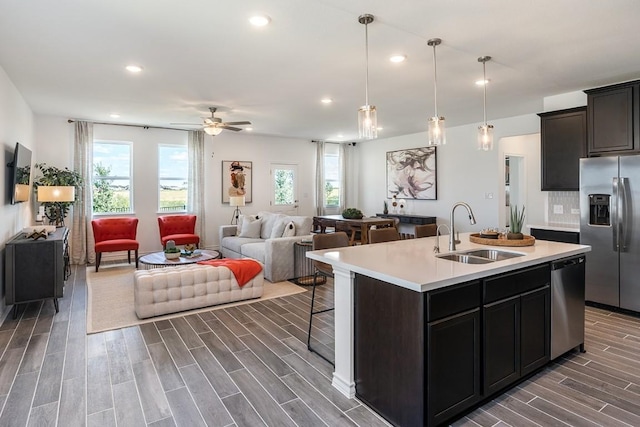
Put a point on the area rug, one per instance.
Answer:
(110, 299)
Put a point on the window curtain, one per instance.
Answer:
(320, 210)
(81, 244)
(344, 151)
(195, 198)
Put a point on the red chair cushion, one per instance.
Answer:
(117, 245)
(181, 239)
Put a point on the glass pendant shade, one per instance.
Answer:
(436, 133)
(367, 115)
(213, 131)
(436, 128)
(485, 132)
(367, 122)
(485, 137)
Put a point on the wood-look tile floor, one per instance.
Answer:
(249, 366)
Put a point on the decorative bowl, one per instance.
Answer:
(172, 255)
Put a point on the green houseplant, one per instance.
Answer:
(53, 176)
(352, 213)
(516, 223)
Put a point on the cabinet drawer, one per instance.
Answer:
(452, 300)
(516, 283)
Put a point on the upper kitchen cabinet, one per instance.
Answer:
(614, 120)
(564, 142)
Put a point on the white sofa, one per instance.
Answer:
(173, 289)
(272, 250)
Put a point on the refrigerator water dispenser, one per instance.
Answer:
(599, 212)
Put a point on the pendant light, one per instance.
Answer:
(367, 118)
(485, 132)
(436, 123)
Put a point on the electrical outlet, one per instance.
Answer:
(575, 211)
(488, 195)
(558, 209)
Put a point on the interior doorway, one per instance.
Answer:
(515, 189)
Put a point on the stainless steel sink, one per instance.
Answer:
(479, 256)
(493, 254)
(465, 259)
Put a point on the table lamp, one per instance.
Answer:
(236, 201)
(58, 196)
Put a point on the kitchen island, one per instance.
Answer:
(421, 339)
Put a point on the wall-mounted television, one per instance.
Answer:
(21, 174)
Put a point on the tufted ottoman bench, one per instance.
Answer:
(169, 290)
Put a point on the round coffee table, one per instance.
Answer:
(158, 260)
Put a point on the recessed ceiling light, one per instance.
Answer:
(326, 100)
(259, 20)
(380, 128)
(340, 135)
(398, 58)
(483, 82)
(114, 115)
(248, 129)
(134, 68)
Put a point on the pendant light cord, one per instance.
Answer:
(484, 77)
(435, 82)
(366, 55)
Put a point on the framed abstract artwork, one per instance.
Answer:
(236, 180)
(411, 174)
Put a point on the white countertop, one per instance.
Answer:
(557, 226)
(413, 265)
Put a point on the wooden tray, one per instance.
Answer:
(526, 241)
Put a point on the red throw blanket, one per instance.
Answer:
(243, 269)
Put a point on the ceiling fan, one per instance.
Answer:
(214, 125)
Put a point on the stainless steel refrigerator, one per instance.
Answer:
(610, 224)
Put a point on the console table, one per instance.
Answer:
(35, 269)
(410, 219)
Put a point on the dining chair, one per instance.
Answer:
(338, 239)
(386, 234)
(425, 230)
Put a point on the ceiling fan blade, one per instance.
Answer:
(186, 124)
(237, 123)
(208, 121)
(229, 128)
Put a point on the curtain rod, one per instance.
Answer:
(127, 124)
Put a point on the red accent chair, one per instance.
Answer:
(179, 228)
(114, 235)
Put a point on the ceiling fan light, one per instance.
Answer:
(212, 130)
(367, 122)
(436, 131)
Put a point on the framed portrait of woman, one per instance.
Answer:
(236, 180)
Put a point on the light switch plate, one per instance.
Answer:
(558, 209)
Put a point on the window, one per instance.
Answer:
(331, 175)
(112, 177)
(173, 174)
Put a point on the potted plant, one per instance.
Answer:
(171, 251)
(352, 213)
(53, 176)
(516, 223)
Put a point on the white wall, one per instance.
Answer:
(463, 172)
(16, 125)
(55, 147)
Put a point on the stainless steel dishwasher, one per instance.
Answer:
(567, 305)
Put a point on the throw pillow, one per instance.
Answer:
(250, 228)
(241, 219)
(278, 228)
(289, 230)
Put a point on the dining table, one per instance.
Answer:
(354, 224)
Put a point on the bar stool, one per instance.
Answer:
(338, 239)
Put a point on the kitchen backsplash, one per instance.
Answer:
(563, 207)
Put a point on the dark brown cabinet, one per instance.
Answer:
(614, 119)
(35, 269)
(516, 326)
(563, 143)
